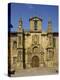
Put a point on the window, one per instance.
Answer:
(35, 24)
(14, 44)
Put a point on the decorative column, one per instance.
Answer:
(50, 49)
(20, 45)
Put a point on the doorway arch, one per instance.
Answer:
(35, 61)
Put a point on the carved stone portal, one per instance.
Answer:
(35, 61)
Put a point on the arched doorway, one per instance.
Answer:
(35, 61)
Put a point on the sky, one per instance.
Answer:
(25, 11)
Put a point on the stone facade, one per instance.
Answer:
(34, 48)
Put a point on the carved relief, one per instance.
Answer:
(35, 49)
(35, 39)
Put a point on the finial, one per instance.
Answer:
(20, 22)
(49, 20)
(49, 25)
